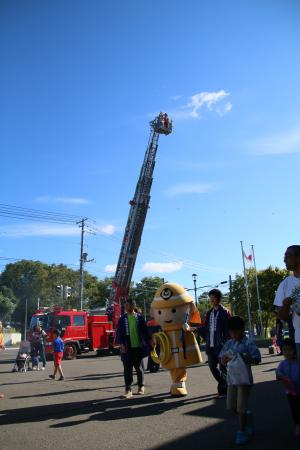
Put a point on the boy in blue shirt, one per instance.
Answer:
(58, 353)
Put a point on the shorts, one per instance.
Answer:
(57, 358)
(238, 397)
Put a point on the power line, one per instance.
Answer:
(18, 212)
(19, 208)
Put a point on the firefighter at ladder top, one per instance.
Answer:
(166, 121)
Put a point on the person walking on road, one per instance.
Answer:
(58, 353)
(215, 333)
(2, 346)
(287, 297)
(133, 337)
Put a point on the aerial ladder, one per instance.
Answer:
(136, 219)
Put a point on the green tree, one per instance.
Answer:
(7, 306)
(144, 291)
(268, 280)
(100, 293)
(32, 280)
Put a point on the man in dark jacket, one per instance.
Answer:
(215, 333)
(133, 338)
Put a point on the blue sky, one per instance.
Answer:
(79, 83)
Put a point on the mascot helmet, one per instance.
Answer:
(170, 295)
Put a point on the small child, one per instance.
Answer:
(288, 372)
(240, 352)
(58, 352)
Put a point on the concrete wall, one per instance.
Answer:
(12, 338)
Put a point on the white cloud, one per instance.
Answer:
(110, 268)
(62, 200)
(32, 230)
(160, 267)
(217, 102)
(188, 188)
(277, 144)
(107, 229)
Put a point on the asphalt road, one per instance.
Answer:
(85, 411)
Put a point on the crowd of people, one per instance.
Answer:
(230, 352)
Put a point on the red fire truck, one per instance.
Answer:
(81, 331)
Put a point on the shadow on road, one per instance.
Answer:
(274, 426)
(71, 391)
(272, 416)
(97, 377)
(105, 409)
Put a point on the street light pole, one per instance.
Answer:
(194, 275)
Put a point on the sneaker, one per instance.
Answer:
(61, 378)
(241, 438)
(34, 368)
(141, 390)
(297, 431)
(128, 394)
(43, 368)
(52, 377)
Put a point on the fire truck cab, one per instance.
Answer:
(80, 331)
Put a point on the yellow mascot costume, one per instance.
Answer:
(172, 308)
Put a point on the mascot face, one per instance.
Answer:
(171, 306)
(175, 315)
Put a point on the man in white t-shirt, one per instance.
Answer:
(288, 293)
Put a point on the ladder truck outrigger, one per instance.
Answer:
(136, 219)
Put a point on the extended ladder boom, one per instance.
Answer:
(136, 219)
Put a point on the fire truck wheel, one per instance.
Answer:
(70, 351)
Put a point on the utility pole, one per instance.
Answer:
(81, 224)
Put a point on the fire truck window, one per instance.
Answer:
(78, 321)
(44, 321)
(62, 322)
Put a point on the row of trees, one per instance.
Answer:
(32, 280)
(268, 281)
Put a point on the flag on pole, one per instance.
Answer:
(248, 258)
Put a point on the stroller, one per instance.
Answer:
(23, 357)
